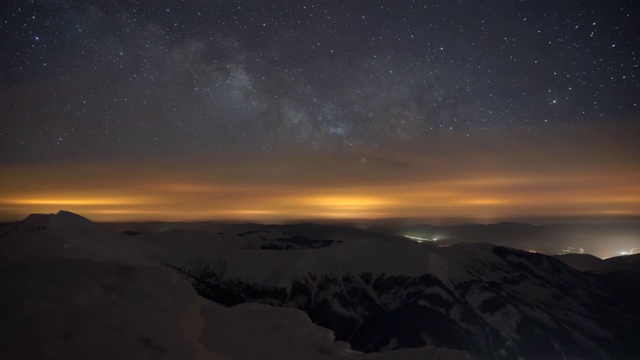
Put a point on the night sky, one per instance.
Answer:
(279, 111)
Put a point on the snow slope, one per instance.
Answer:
(378, 295)
(73, 290)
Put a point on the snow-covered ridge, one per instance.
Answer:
(386, 296)
(495, 302)
(76, 290)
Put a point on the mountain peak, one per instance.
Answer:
(72, 218)
(62, 218)
(68, 235)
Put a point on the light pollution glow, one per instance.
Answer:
(333, 187)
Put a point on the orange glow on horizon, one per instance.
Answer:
(74, 201)
(106, 192)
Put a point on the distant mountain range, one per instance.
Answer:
(600, 239)
(79, 290)
(586, 262)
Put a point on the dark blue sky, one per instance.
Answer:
(103, 79)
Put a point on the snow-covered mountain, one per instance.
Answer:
(383, 294)
(66, 234)
(78, 290)
(74, 290)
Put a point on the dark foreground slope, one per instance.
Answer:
(620, 274)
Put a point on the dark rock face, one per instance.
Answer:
(519, 305)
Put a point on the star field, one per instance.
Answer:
(258, 81)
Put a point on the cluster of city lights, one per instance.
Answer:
(421, 239)
(631, 251)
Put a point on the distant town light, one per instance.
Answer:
(420, 239)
